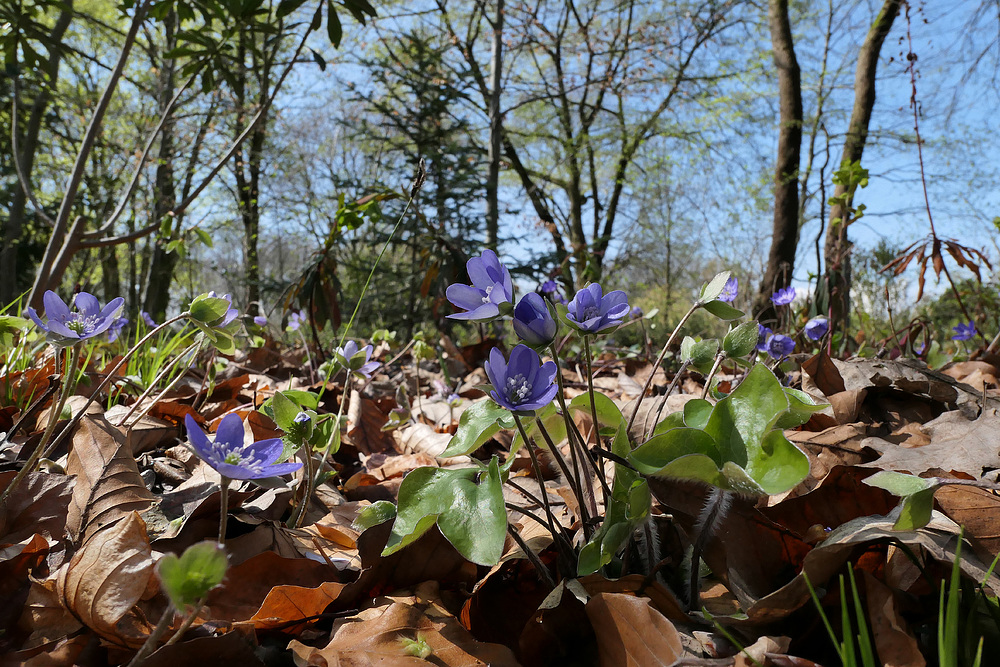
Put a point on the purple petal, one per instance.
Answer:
(478, 271)
(199, 441)
(523, 361)
(55, 308)
(87, 304)
(34, 317)
(265, 451)
(486, 311)
(112, 308)
(496, 368)
(230, 432)
(60, 329)
(464, 296)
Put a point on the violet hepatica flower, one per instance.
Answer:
(783, 297)
(147, 319)
(295, 320)
(491, 288)
(260, 320)
(780, 346)
(965, 331)
(231, 458)
(533, 323)
(355, 359)
(593, 312)
(636, 313)
(66, 327)
(763, 333)
(729, 290)
(522, 384)
(550, 287)
(116, 327)
(817, 327)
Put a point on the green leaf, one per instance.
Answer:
(696, 413)
(286, 7)
(917, 494)
(609, 414)
(9, 325)
(673, 420)
(723, 310)
(203, 236)
(189, 578)
(915, 510)
(377, 513)
(285, 411)
(208, 309)
(741, 341)
(713, 289)
(652, 456)
(333, 28)
(467, 505)
(741, 425)
(800, 408)
(701, 354)
(478, 423)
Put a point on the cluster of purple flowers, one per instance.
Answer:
(524, 383)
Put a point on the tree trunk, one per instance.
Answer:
(496, 148)
(161, 269)
(28, 145)
(834, 294)
(785, 234)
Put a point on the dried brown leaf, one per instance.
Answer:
(38, 505)
(896, 645)
(631, 633)
(286, 604)
(108, 486)
(107, 576)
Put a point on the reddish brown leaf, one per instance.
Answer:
(631, 633)
(106, 577)
(38, 505)
(896, 645)
(108, 485)
(286, 604)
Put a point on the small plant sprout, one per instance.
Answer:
(490, 293)
(234, 460)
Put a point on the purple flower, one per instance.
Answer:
(817, 327)
(356, 360)
(780, 346)
(550, 287)
(302, 417)
(591, 312)
(524, 383)
(919, 348)
(230, 314)
(260, 320)
(65, 327)
(116, 328)
(763, 333)
(729, 290)
(453, 400)
(533, 323)
(636, 313)
(491, 287)
(783, 297)
(148, 319)
(231, 458)
(295, 320)
(965, 331)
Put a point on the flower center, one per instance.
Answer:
(233, 458)
(590, 313)
(486, 297)
(81, 325)
(517, 389)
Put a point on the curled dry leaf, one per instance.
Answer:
(38, 505)
(108, 485)
(631, 633)
(106, 577)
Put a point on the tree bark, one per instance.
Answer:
(496, 142)
(28, 145)
(834, 293)
(785, 234)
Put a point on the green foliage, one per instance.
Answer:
(467, 506)
(188, 579)
(478, 423)
(739, 447)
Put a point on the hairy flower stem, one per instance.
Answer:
(159, 378)
(574, 482)
(223, 508)
(188, 620)
(154, 637)
(579, 441)
(312, 480)
(68, 385)
(719, 358)
(542, 571)
(557, 534)
(716, 507)
(659, 360)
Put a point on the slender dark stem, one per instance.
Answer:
(542, 571)
(223, 508)
(590, 388)
(154, 637)
(68, 384)
(711, 374)
(571, 429)
(659, 360)
(557, 455)
(188, 620)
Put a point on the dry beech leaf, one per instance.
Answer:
(365, 421)
(44, 615)
(38, 505)
(631, 633)
(106, 577)
(286, 604)
(374, 636)
(17, 561)
(896, 645)
(108, 485)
